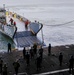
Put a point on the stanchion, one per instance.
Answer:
(7, 13)
(14, 15)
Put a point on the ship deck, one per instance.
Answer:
(24, 37)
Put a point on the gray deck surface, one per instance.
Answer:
(49, 63)
(26, 38)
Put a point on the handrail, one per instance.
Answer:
(23, 19)
(35, 27)
(14, 32)
(40, 27)
(9, 30)
(3, 32)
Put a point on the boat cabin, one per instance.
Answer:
(2, 15)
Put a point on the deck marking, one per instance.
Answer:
(21, 73)
(53, 72)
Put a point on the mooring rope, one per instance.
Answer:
(62, 23)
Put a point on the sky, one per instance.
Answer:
(33, 2)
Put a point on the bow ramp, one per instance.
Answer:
(28, 37)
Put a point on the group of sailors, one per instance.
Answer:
(12, 22)
(35, 53)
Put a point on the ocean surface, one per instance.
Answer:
(57, 17)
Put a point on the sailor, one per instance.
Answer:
(24, 52)
(5, 69)
(14, 23)
(49, 49)
(1, 65)
(26, 24)
(61, 58)
(16, 66)
(9, 47)
(11, 20)
(71, 62)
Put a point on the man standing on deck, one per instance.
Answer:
(28, 59)
(9, 47)
(71, 62)
(35, 48)
(11, 20)
(5, 69)
(41, 53)
(14, 23)
(26, 24)
(60, 59)
(24, 52)
(1, 65)
(49, 49)
(16, 66)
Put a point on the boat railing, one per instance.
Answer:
(1, 27)
(28, 37)
(35, 27)
(7, 29)
(14, 32)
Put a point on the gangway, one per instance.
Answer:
(29, 37)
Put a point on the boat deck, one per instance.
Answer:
(23, 37)
(26, 38)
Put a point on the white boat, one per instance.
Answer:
(6, 31)
(24, 38)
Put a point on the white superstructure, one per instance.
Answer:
(2, 15)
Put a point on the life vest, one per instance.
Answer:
(14, 23)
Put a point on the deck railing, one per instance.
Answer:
(7, 29)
